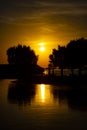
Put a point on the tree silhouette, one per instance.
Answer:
(76, 52)
(61, 58)
(24, 60)
(21, 55)
(57, 58)
(73, 56)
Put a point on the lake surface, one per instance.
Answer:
(25, 106)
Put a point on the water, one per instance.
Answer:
(42, 107)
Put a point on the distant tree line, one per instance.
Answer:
(72, 56)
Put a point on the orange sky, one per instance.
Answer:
(50, 21)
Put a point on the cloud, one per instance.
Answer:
(23, 7)
(58, 13)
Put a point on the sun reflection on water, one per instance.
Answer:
(43, 94)
(42, 89)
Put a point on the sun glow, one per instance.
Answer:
(42, 46)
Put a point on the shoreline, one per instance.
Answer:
(65, 80)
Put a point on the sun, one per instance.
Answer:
(42, 46)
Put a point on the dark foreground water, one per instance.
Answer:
(42, 107)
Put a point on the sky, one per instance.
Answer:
(31, 22)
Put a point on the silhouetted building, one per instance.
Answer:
(20, 71)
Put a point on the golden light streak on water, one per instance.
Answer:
(42, 89)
